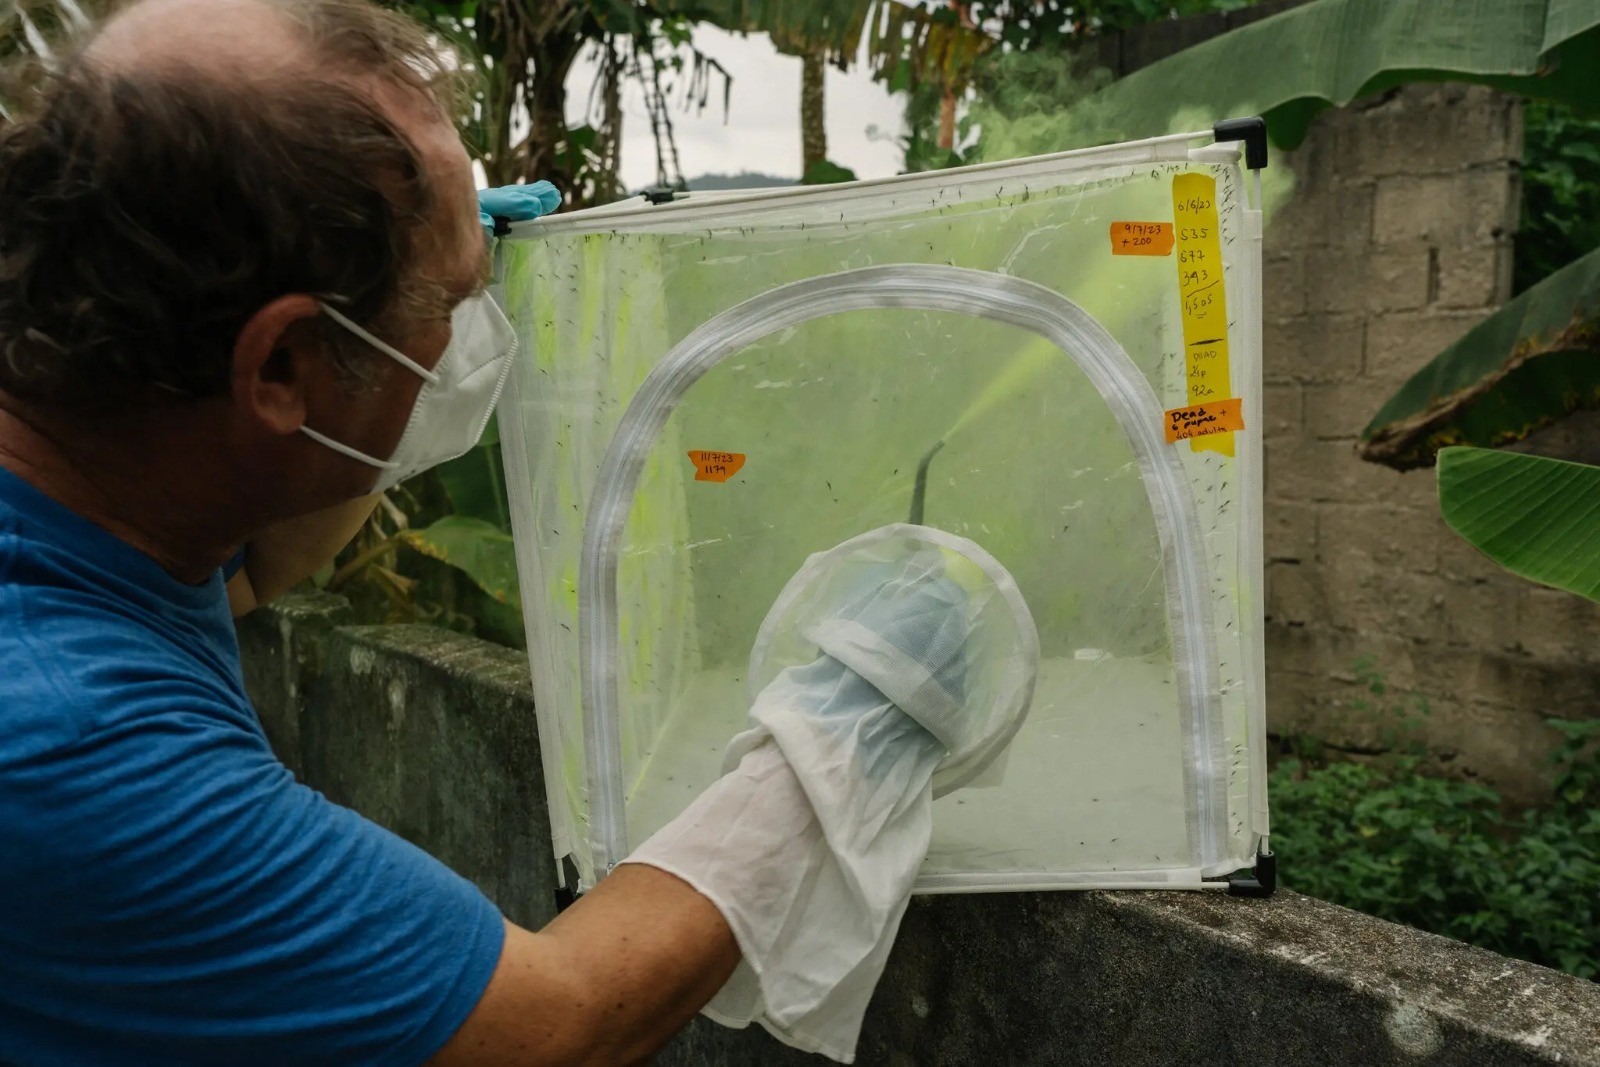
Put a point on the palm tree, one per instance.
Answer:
(897, 40)
(947, 105)
(813, 111)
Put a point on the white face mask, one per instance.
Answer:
(457, 396)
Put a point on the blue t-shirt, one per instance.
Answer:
(169, 894)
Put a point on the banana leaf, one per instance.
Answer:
(1536, 517)
(1294, 64)
(1526, 366)
(478, 549)
(476, 482)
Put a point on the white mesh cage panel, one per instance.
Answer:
(712, 391)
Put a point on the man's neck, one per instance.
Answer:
(117, 483)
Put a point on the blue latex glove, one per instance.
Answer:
(911, 634)
(516, 203)
(922, 613)
(845, 705)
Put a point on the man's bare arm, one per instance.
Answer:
(608, 982)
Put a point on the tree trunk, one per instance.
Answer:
(502, 59)
(611, 156)
(947, 105)
(545, 153)
(813, 111)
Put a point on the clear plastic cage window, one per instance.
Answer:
(711, 391)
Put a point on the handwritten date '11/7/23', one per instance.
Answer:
(710, 466)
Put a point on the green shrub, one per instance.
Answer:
(1441, 855)
(1560, 191)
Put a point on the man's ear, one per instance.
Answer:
(276, 358)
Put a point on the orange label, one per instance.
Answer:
(715, 466)
(1141, 238)
(1201, 420)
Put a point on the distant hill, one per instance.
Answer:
(746, 180)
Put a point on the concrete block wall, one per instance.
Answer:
(1398, 238)
(432, 734)
(1396, 241)
(425, 732)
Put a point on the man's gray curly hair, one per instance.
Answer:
(146, 214)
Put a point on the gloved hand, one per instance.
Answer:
(811, 841)
(906, 630)
(516, 203)
(854, 714)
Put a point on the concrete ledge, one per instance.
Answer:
(426, 732)
(433, 735)
(1140, 979)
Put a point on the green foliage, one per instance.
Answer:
(1283, 68)
(1024, 95)
(1536, 517)
(826, 172)
(480, 550)
(475, 484)
(919, 145)
(1526, 366)
(1530, 364)
(1400, 718)
(1049, 24)
(516, 56)
(1022, 88)
(1017, 97)
(743, 180)
(440, 551)
(1560, 190)
(1442, 855)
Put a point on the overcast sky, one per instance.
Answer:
(761, 130)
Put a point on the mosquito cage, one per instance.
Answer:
(1057, 358)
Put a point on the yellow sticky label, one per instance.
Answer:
(1203, 420)
(1205, 307)
(1141, 238)
(715, 466)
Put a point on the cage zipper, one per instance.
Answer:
(931, 288)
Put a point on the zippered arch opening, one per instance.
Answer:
(922, 287)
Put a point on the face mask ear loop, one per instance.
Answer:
(382, 346)
(346, 450)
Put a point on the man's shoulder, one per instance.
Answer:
(75, 659)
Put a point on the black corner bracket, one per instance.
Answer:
(1262, 881)
(1252, 131)
(660, 194)
(566, 892)
(502, 225)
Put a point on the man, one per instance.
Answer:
(196, 186)
(241, 289)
